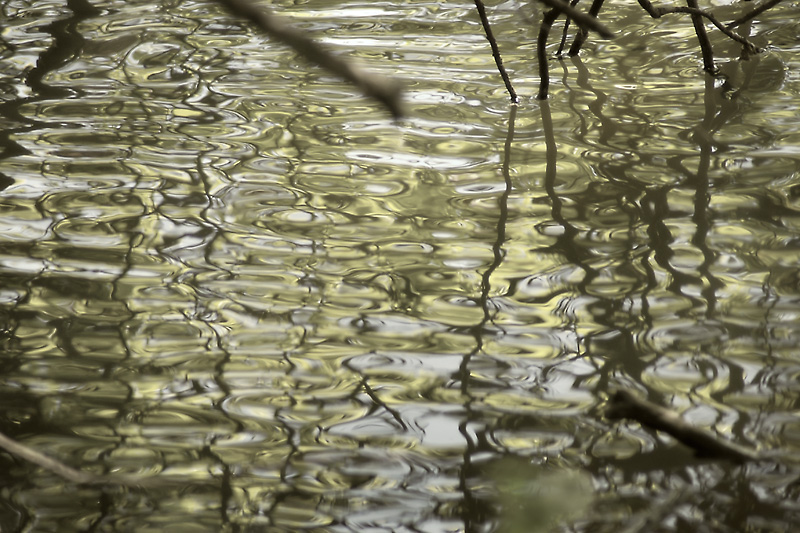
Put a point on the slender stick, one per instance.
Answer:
(754, 13)
(625, 404)
(495, 50)
(384, 90)
(580, 37)
(581, 19)
(48, 463)
(564, 33)
(84, 478)
(541, 52)
(702, 36)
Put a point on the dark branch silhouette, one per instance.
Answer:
(625, 404)
(495, 50)
(702, 36)
(698, 16)
(541, 52)
(385, 90)
(754, 13)
(579, 17)
(581, 36)
(388, 92)
(658, 12)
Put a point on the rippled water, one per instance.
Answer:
(225, 269)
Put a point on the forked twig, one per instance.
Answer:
(565, 31)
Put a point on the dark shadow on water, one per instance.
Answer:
(66, 45)
(474, 511)
(619, 353)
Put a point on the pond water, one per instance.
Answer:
(225, 270)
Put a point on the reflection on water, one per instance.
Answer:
(222, 267)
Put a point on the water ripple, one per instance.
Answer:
(226, 268)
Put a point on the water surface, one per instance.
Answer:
(225, 269)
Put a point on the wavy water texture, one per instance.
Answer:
(224, 268)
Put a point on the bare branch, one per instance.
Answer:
(541, 52)
(83, 478)
(658, 12)
(702, 36)
(386, 91)
(580, 37)
(565, 31)
(580, 18)
(48, 463)
(624, 404)
(495, 50)
(754, 13)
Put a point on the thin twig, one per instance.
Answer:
(565, 31)
(580, 37)
(753, 14)
(580, 18)
(625, 404)
(84, 478)
(702, 36)
(495, 50)
(48, 463)
(384, 90)
(541, 52)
